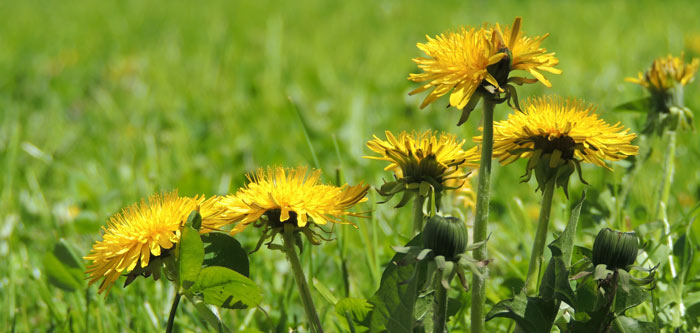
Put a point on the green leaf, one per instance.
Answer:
(190, 257)
(564, 244)
(63, 269)
(629, 295)
(357, 310)
(532, 314)
(395, 299)
(226, 288)
(637, 105)
(194, 220)
(624, 324)
(588, 296)
(221, 249)
(555, 283)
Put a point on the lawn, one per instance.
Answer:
(105, 103)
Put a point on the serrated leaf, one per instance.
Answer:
(190, 257)
(624, 324)
(629, 296)
(564, 244)
(532, 314)
(356, 310)
(226, 288)
(395, 299)
(555, 283)
(221, 249)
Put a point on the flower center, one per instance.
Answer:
(273, 218)
(564, 144)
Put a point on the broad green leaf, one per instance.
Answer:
(190, 257)
(226, 288)
(221, 249)
(63, 268)
(395, 299)
(532, 314)
(356, 310)
(624, 324)
(637, 105)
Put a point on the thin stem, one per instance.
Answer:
(173, 311)
(304, 292)
(440, 303)
(418, 214)
(481, 218)
(537, 256)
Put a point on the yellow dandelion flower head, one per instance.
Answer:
(291, 195)
(471, 60)
(527, 55)
(666, 72)
(146, 230)
(567, 127)
(409, 151)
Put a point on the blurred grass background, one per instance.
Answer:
(103, 103)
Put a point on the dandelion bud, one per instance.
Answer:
(615, 249)
(446, 236)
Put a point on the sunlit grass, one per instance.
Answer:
(102, 104)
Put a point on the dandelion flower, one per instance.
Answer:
(665, 80)
(553, 133)
(419, 158)
(291, 195)
(665, 73)
(145, 231)
(472, 63)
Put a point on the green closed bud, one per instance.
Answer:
(615, 249)
(446, 236)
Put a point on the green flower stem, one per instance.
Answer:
(440, 304)
(173, 311)
(481, 218)
(668, 174)
(537, 255)
(418, 214)
(661, 208)
(304, 292)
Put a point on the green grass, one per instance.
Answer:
(102, 104)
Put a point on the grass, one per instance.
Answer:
(102, 104)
